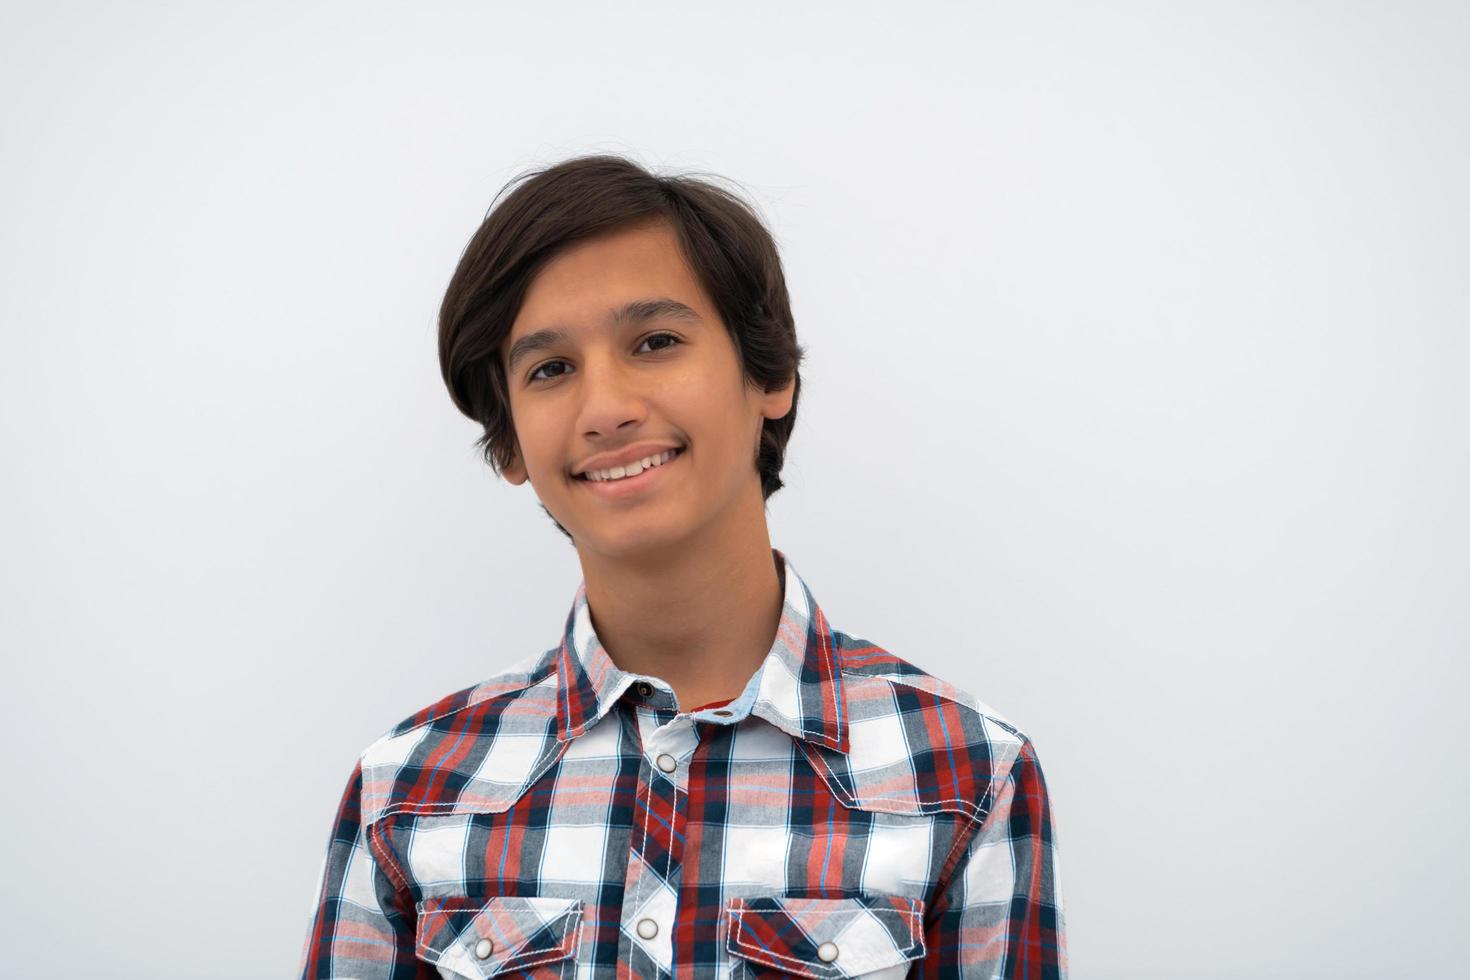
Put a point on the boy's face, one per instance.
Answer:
(609, 385)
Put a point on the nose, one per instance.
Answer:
(612, 397)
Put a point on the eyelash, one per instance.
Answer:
(677, 340)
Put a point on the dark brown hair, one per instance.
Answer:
(725, 243)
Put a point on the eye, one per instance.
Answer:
(674, 337)
(532, 378)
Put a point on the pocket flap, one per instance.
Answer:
(826, 937)
(484, 937)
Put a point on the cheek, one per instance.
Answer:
(545, 465)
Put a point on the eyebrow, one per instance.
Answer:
(636, 311)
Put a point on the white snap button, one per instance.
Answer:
(827, 952)
(647, 928)
(667, 763)
(484, 948)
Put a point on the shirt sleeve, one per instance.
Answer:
(999, 913)
(364, 924)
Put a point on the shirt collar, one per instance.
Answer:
(797, 688)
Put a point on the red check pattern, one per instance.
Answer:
(848, 814)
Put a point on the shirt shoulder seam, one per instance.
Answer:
(978, 707)
(535, 675)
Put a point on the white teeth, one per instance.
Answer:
(631, 469)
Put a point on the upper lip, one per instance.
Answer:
(624, 456)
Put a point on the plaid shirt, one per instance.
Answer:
(847, 815)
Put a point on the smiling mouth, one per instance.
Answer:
(586, 478)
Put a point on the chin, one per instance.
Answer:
(631, 539)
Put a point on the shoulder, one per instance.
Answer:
(867, 668)
(947, 748)
(514, 706)
(516, 681)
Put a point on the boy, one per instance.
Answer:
(703, 777)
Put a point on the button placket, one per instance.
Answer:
(669, 747)
(651, 889)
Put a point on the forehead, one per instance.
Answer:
(583, 282)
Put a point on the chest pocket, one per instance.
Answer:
(477, 938)
(876, 936)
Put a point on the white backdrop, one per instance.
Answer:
(1135, 405)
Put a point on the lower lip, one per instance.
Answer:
(629, 486)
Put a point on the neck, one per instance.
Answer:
(701, 618)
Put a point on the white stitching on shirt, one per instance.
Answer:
(831, 670)
(648, 803)
(965, 838)
(912, 684)
(558, 953)
(837, 790)
(740, 922)
(376, 835)
(552, 954)
(673, 823)
(429, 806)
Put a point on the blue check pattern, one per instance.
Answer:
(849, 814)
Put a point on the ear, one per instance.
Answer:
(775, 404)
(514, 472)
